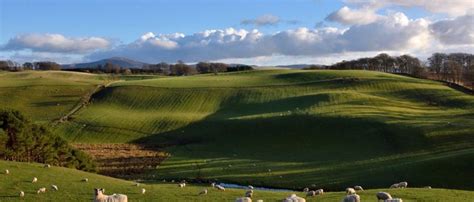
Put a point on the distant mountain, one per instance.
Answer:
(120, 61)
(301, 66)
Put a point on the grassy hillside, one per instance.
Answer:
(72, 189)
(291, 128)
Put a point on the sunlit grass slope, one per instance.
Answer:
(292, 128)
(71, 188)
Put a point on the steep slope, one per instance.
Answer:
(291, 128)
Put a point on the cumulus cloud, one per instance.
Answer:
(455, 31)
(450, 7)
(348, 16)
(263, 20)
(55, 43)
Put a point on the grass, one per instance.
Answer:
(328, 128)
(72, 189)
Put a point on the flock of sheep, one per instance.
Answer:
(351, 193)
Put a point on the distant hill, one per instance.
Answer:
(299, 66)
(120, 61)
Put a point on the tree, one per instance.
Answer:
(436, 62)
(28, 66)
(47, 65)
(203, 67)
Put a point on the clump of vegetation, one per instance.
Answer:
(22, 140)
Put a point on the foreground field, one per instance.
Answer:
(72, 189)
(290, 128)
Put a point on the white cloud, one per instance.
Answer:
(55, 43)
(348, 16)
(455, 31)
(263, 20)
(450, 7)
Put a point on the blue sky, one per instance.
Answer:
(82, 30)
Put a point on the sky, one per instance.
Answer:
(259, 32)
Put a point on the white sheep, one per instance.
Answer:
(22, 194)
(383, 196)
(259, 200)
(54, 187)
(427, 187)
(219, 187)
(143, 190)
(350, 191)
(351, 198)
(101, 197)
(213, 184)
(203, 192)
(394, 200)
(319, 192)
(396, 185)
(41, 190)
(181, 185)
(306, 189)
(85, 180)
(249, 193)
(137, 184)
(358, 188)
(250, 187)
(294, 198)
(243, 199)
(311, 193)
(403, 184)
(34, 180)
(47, 166)
(7, 172)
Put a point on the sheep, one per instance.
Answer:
(243, 199)
(350, 191)
(250, 187)
(249, 193)
(7, 172)
(427, 187)
(319, 192)
(403, 184)
(137, 184)
(47, 166)
(394, 200)
(358, 188)
(311, 193)
(259, 200)
(351, 198)
(143, 190)
(181, 185)
(383, 196)
(213, 184)
(306, 189)
(55, 188)
(22, 194)
(34, 180)
(85, 180)
(219, 187)
(203, 192)
(41, 190)
(294, 198)
(396, 185)
(101, 197)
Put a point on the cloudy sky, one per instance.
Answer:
(262, 32)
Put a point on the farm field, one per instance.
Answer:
(283, 128)
(71, 188)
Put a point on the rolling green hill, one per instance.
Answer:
(71, 188)
(288, 128)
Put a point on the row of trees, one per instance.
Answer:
(455, 68)
(7, 65)
(22, 140)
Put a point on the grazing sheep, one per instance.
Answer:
(306, 189)
(101, 197)
(137, 184)
(243, 199)
(213, 184)
(319, 192)
(249, 193)
(203, 192)
(394, 200)
(350, 191)
(294, 198)
(383, 196)
(403, 184)
(41, 190)
(143, 190)
(259, 200)
(181, 185)
(47, 166)
(427, 187)
(7, 172)
(85, 180)
(34, 180)
(55, 188)
(22, 194)
(396, 185)
(351, 198)
(219, 187)
(311, 193)
(358, 188)
(250, 187)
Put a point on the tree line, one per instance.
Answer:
(21, 140)
(456, 68)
